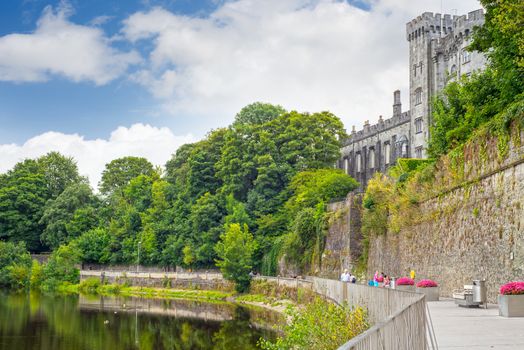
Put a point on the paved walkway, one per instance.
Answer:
(461, 328)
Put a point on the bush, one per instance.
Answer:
(426, 284)
(512, 288)
(405, 281)
(15, 266)
(320, 325)
(89, 285)
(61, 268)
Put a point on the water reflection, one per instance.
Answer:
(32, 321)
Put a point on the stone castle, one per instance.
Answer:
(437, 55)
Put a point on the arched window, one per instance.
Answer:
(418, 96)
(387, 153)
(372, 158)
(346, 165)
(359, 163)
(453, 70)
(404, 150)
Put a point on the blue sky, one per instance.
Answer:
(61, 105)
(100, 79)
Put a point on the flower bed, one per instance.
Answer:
(429, 288)
(405, 281)
(426, 284)
(512, 288)
(511, 299)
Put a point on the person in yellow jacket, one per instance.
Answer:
(412, 274)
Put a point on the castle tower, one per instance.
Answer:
(437, 55)
(421, 32)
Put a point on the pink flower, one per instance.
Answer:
(512, 288)
(405, 281)
(426, 284)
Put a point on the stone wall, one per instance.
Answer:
(475, 230)
(343, 242)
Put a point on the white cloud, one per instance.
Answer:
(304, 54)
(155, 144)
(57, 46)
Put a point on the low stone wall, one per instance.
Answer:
(182, 280)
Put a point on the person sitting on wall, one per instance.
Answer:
(344, 277)
(352, 278)
(386, 281)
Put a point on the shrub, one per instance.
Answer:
(320, 325)
(427, 284)
(89, 285)
(405, 281)
(15, 265)
(61, 267)
(512, 288)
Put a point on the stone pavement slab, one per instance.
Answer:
(478, 329)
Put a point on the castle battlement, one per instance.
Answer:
(382, 126)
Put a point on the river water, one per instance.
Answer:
(33, 321)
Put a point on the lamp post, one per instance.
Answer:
(138, 261)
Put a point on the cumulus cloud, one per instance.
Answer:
(304, 54)
(155, 144)
(60, 47)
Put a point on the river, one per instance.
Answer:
(34, 321)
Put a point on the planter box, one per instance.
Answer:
(405, 288)
(511, 305)
(432, 293)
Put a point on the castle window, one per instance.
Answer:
(404, 149)
(418, 96)
(414, 70)
(359, 162)
(346, 165)
(453, 72)
(466, 56)
(387, 153)
(466, 32)
(371, 158)
(432, 29)
(418, 125)
(418, 152)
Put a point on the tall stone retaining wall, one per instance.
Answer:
(343, 244)
(470, 232)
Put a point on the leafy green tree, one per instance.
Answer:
(235, 255)
(59, 214)
(59, 172)
(93, 246)
(119, 172)
(258, 113)
(61, 268)
(15, 266)
(23, 195)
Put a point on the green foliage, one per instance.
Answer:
(93, 246)
(119, 172)
(61, 268)
(15, 266)
(58, 215)
(235, 255)
(258, 113)
(471, 102)
(320, 325)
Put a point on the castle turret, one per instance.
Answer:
(397, 105)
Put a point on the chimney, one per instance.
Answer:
(353, 129)
(397, 105)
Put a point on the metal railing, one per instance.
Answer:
(400, 319)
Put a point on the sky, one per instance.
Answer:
(102, 79)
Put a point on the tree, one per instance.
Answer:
(23, 195)
(93, 246)
(59, 172)
(61, 267)
(15, 265)
(59, 214)
(258, 113)
(119, 172)
(235, 255)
